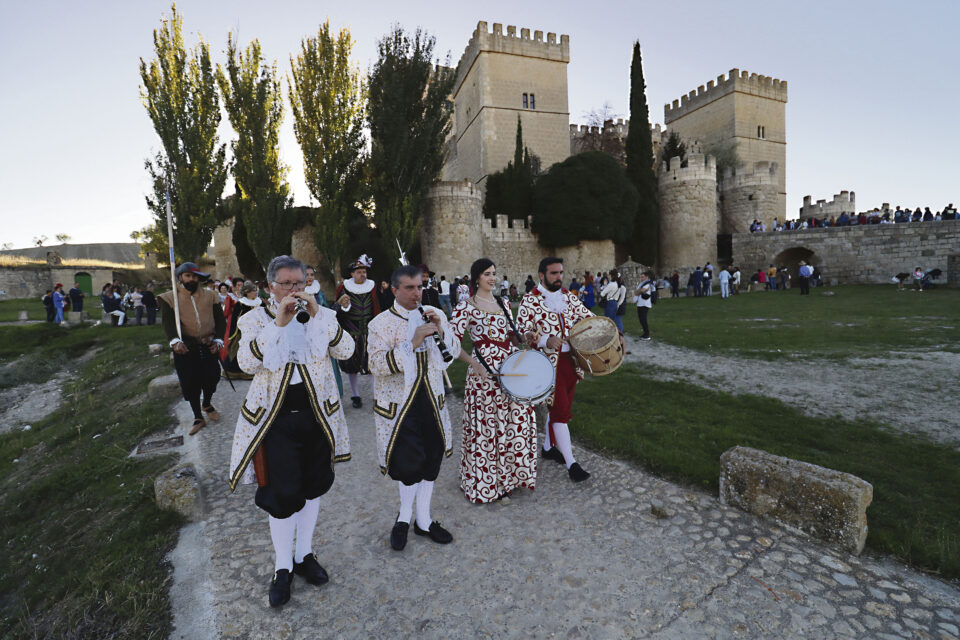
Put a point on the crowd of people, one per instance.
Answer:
(874, 216)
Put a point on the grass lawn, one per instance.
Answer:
(856, 320)
(10, 308)
(84, 539)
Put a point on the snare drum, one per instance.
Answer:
(527, 377)
(595, 343)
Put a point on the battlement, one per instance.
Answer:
(760, 173)
(843, 202)
(496, 41)
(455, 188)
(621, 126)
(735, 81)
(699, 167)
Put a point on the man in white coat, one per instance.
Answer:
(413, 426)
(291, 424)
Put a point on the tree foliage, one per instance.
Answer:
(639, 159)
(510, 190)
(327, 99)
(254, 103)
(607, 138)
(180, 94)
(585, 197)
(409, 118)
(674, 148)
(152, 238)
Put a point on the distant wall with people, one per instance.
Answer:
(33, 282)
(866, 254)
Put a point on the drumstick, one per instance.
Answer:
(517, 363)
(509, 375)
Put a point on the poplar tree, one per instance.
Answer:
(639, 152)
(409, 118)
(327, 100)
(254, 103)
(180, 94)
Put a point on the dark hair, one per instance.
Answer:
(477, 269)
(546, 262)
(406, 271)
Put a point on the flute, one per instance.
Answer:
(440, 345)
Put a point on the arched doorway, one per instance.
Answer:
(791, 259)
(86, 282)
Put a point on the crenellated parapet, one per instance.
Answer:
(843, 202)
(759, 173)
(699, 167)
(535, 46)
(736, 81)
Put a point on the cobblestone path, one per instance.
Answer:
(564, 561)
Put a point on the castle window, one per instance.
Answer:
(533, 102)
(524, 101)
(761, 132)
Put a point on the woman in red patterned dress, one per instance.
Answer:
(499, 449)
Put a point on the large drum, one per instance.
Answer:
(527, 376)
(595, 343)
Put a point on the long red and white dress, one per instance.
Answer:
(499, 449)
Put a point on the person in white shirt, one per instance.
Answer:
(445, 296)
(611, 295)
(505, 287)
(724, 278)
(645, 292)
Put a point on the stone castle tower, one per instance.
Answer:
(746, 109)
(501, 76)
(688, 212)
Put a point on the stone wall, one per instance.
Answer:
(747, 194)
(869, 254)
(225, 254)
(450, 234)
(953, 270)
(688, 213)
(33, 282)
(843, 202)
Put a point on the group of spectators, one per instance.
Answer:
(875, 216)
(117, 299)
(57, 303)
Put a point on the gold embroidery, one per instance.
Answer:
(262, 432)
(389, 413)
(421, 375)
(253, 417)
(440, 400)
(336, 338)
(392, 362)
(255, 350)
(331, 407)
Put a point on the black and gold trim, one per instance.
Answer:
(338, 337)
(343, 457)
(253, 417)
(331, 407)
(269, 312)
(392, 361)
(422, 378)
(440, 401)
(262, 431)
(255, 350)
(389, 414)
(397, 313)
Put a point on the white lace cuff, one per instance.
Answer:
(273, 345)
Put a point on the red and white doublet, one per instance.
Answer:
(499, 449)
(555, 313)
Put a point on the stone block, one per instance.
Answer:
(164, 387)
(74, 318)
(23, 315)
(154, 349)
(178, 489)
(826, 504)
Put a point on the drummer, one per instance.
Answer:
(550, 311)
(499, 450)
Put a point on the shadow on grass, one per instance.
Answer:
(679, 430)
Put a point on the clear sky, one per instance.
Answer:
(873, 87)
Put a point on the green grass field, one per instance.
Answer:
(84, 539)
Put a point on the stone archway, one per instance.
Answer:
(791, 258)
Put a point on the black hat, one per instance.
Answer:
(189, 267)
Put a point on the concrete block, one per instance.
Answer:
(826, 504)
(178, 489)
(23, 315)
(74, 318)
(164, 387)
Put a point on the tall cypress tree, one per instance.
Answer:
(640, 161)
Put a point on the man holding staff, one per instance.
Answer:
(291, 424)
(550, 311)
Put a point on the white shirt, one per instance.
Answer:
(611, 290)
(296, 342)
(444, 288)
(557, 302)
(646, 287)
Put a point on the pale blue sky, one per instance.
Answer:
(873, 88)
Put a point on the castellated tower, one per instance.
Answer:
(500, 76)
(744, 108)
(450, 229)
(749, 194)
(688, 213)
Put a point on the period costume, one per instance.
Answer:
(413, 426)
(292, 427)
(231, 342)
(554, 313)
(201, 325)
(498, 453)
(355, 318)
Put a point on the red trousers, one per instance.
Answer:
(566, 385)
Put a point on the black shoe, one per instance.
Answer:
(280, 588)
(577, 474)
(311, 570)
(398, 535)
(552, 454)
(357, 402)
(436, 533)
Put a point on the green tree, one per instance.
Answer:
(639, 154)
(152, 238)
(409, 118)
(327, 99)
(510, 190)
(254, 102)
(585, 197)
(179, 92)
(674, 148)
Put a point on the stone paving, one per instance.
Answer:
(564, 561)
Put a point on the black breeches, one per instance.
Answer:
(199, 372)
(418, 446)
(299, 458)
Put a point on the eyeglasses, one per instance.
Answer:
(299, 284)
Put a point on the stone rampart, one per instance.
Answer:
(867, 254)
(843, 202)
(735, 81)
(450, 232)
(33, 282)
(749, 193)
(688, 212)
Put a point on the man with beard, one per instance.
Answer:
(196, 355)
(550, 311)
(358, 305)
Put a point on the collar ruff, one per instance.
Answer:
(353, 287)
(247, 302)
(312, 288)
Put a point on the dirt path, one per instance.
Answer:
(913, 391)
